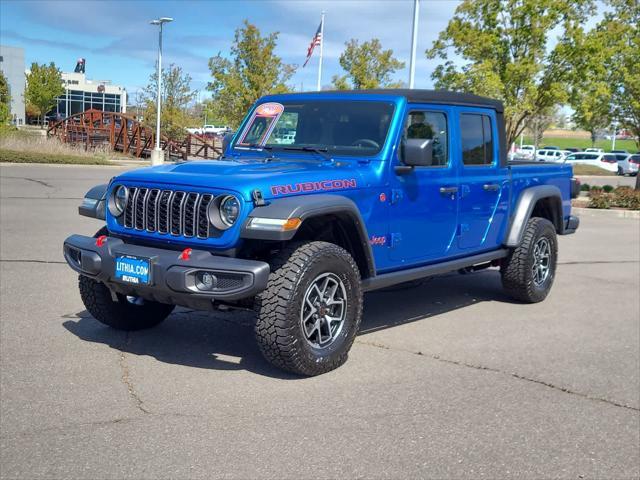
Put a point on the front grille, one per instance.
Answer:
(166, 211)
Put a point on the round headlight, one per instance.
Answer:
(118, 200)
(229, 210)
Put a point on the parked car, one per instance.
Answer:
(547, 155)
(525, 152)
(594, 150)
(620, 151)
(546, 147)
(629, 165)
(573, 149)
(378, 188)
(214, 129)
(594, 159)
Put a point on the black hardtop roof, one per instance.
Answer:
(444, 97)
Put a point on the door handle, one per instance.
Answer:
(448, 190)
(491, 187)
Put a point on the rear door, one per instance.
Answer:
(484, 188)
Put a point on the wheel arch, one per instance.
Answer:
(324, 217)
(543, 201)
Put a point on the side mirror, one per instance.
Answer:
(226, 141)
(418, 152)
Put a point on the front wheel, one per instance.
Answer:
(529, 270)
(118, 311)
(310, 312)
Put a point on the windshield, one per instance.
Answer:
(353, 128)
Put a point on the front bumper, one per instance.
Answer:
(172, 279)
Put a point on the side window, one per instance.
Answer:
(477, 139)
(431, 126)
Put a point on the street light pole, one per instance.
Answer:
(157, 155)
(414, 42)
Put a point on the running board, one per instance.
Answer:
(393, 278)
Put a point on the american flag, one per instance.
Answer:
(315, 41)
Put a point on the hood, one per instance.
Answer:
(274, 178)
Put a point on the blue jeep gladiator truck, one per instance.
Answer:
(320, 197)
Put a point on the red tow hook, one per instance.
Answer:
(100, 240)
(186, 254)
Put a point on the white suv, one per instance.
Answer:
(629, 165)
(546, 155)
(605, 161)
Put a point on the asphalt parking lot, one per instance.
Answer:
(447, 379)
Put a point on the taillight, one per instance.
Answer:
(636, 161)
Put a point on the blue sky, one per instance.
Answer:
(120, 45)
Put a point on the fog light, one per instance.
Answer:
(206, 281)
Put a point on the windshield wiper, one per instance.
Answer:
(322, 151)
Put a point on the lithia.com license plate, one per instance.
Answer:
(133, 270)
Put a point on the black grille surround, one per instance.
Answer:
(168, 212)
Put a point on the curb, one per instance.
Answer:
(600, 212)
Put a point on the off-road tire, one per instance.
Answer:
(516, 269)
(121, 314)
(278, 328)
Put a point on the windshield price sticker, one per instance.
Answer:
(261, 124)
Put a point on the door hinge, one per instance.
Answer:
(396, 195)
(396, 238)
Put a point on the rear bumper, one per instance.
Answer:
(571, 225)
(172, 279)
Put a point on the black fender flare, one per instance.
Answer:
(94, 202)
(524, 207)
(305, 207)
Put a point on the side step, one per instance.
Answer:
(388, 279)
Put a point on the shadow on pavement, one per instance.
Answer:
(224, 341)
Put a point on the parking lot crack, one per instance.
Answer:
(502, 372)
(20, 260)
(34, 180)
(128, 383)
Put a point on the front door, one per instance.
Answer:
(424, 203)
(484, 188)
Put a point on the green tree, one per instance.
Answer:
(538, 123)
(251, 71)
(620, 31)
(44, 86)
(5, 100)
(367, 66)
(504, 48)
(176, 97)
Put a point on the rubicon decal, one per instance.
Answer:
(324, 185)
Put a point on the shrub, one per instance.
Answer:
(585, 187)
(599, 200)
(626, 198)
(596, 189)
(607, 189)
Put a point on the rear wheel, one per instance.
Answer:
(310, 312)
(529, 270)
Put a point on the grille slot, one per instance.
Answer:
(140, 208)
(203, 217)
(168, 212)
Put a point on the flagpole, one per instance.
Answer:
(321, 46)
(414, 42)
